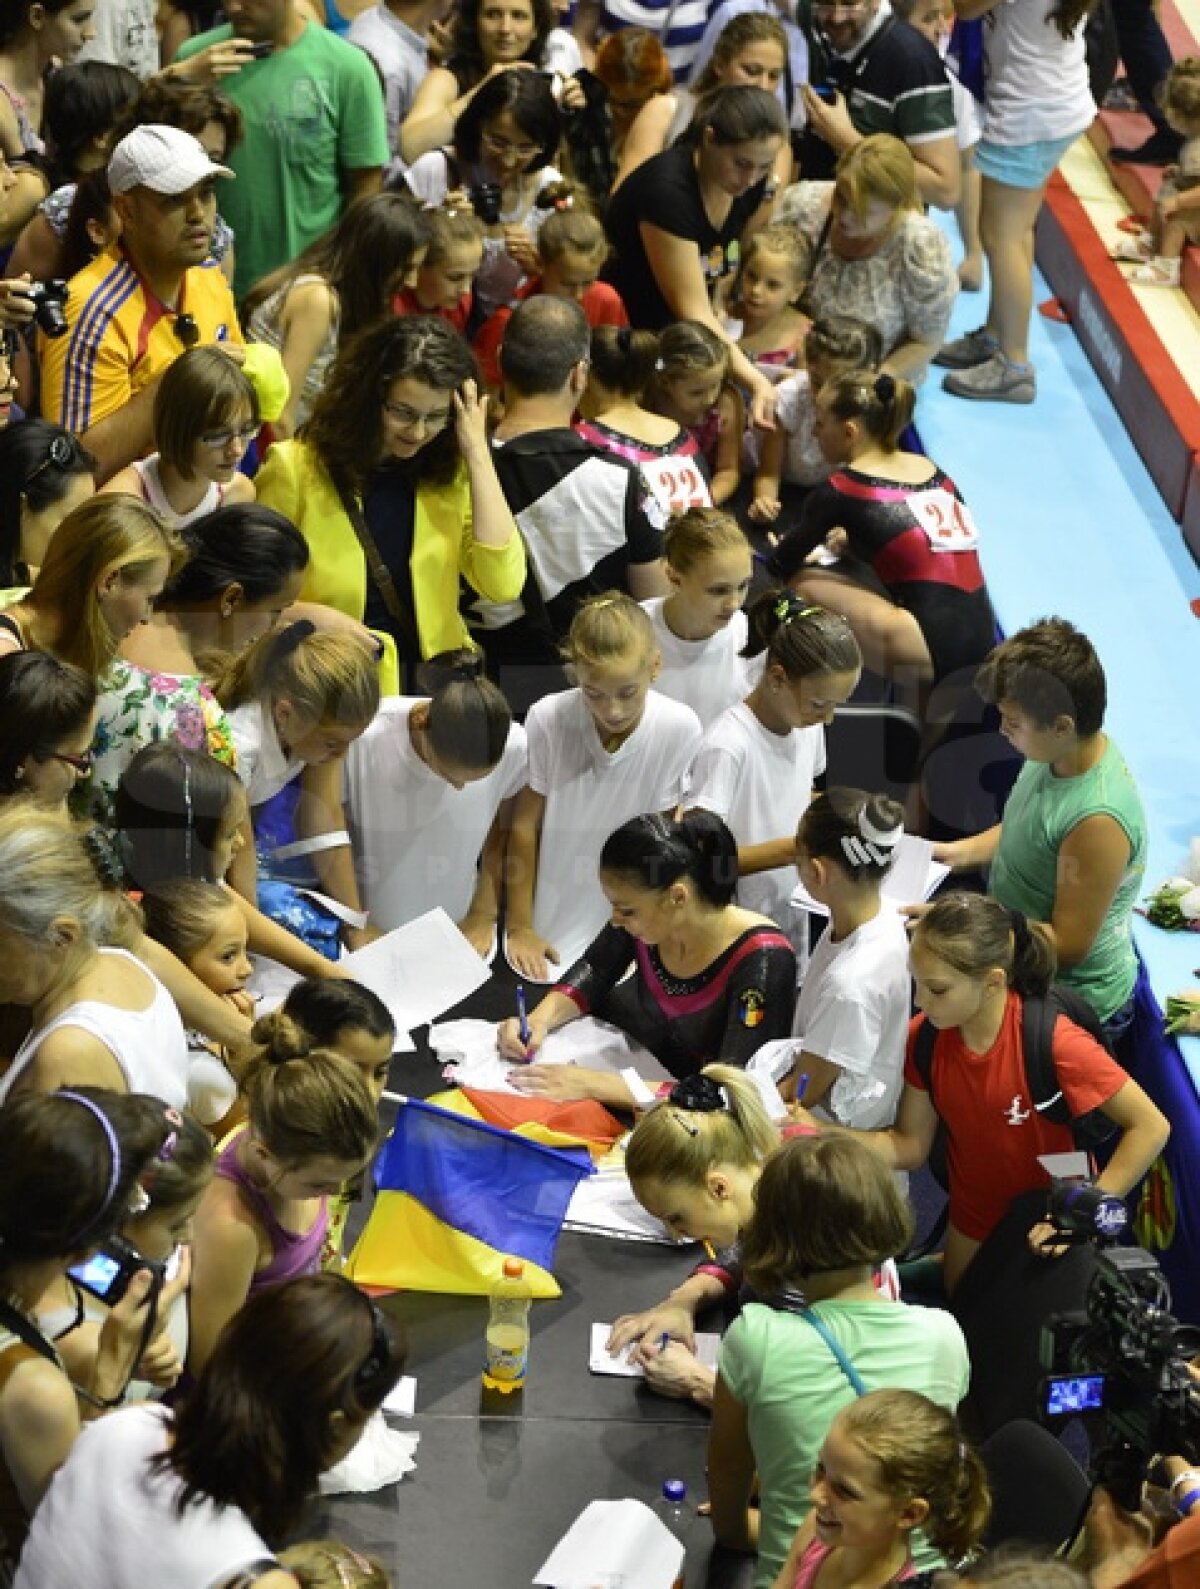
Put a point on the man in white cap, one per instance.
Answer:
(141, 302)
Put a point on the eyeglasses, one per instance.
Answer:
(218, 440)
(82, 764)
(187, 330)
(59, 455)
(409, 419)
(501, 147)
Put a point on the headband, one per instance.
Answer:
(114, 1157)
(871, 845)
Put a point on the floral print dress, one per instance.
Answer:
(138, 706)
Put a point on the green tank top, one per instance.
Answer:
(1041, 811)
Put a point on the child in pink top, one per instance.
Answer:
(892, 1462)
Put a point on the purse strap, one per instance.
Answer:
(381, 575)
(843, 1362)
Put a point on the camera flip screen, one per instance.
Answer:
(1074, 1393)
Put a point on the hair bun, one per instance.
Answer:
(699, 1093)
(885, 388)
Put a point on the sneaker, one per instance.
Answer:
(964, 353)
(1161, 148)
(997, 381)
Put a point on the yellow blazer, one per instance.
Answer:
(294, 481)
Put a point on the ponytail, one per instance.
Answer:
(859, 832)
(717, 1117)
(919, 1450)
(799, 637)
(881, 404)
(623, 359)
(328, 677)
(654, 851)
(469, 718)
(306, 1103)
(974, 934)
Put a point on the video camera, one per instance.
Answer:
(1123, 1363)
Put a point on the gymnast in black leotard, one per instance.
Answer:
(708, 981)
(902, 517)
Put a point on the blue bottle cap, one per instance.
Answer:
(674, 1490)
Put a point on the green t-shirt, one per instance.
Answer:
(312, 112)
(1041, 811)
(792, 1388)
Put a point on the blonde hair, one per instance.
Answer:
(52, 870)
(306, 1103)
(572, 226)
(698, 533)
(688, 345)
(181, 914)
(452, 226)
(738, 34)
(606, 629)
(789, 241)
(328, 1564)
(110, 534)
(881, 170)
(919, 1450)
(674, 1144)
(327, 677)
(1181, 91)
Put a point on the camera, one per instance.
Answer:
(106, 1273)
(486, 198)
(48, 298)
(825, 91)
(1123, 1363)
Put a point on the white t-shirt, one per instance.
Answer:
(400, 54)
(416, 838)
(1036, 81)
(261, 763)
(589, 793)
(126, 35)
(760, 783)
(111, 1521)
(853, 1011)
(804, 464)
(707, 675)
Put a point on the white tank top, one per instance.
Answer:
(152, 491)
(149, 1045)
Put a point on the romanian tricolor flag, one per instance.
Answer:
(455, 1198)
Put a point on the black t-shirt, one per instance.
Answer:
(390, 508)
(665, 192)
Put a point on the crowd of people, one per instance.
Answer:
(490, 506)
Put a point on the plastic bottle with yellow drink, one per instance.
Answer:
(507, 1340)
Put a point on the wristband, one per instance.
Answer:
(1185, 1503)
(1188, 1476)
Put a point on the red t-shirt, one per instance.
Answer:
(600, 303)
(994, 1135)
(406, 302)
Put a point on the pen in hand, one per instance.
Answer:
(801, 1086)
(664, 1341)
(522, 1016)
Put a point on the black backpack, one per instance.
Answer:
(1038, 1019)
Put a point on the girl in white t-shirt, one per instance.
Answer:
(852, 1015)
(700, 627)
(610, 749)
(758, 761)
(429, 792)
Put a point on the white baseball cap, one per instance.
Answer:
(164, 159)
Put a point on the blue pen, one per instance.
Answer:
(522, 1014)
(801, 1086)
(664, 1341)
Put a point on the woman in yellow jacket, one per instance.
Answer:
(392, 486)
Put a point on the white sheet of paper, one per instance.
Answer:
(468, 1050)
(420, 970)
(401, 1401)
(1066, 1166)
(613, 1542)
(913, 878)
(601, 1362)
(604, 1205)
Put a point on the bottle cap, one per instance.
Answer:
(514, 1268)
(674, 1490)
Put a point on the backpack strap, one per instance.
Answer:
(1039, 1016)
